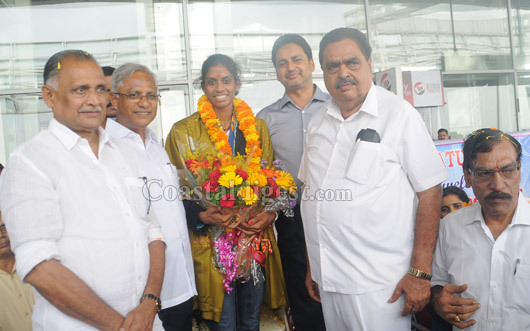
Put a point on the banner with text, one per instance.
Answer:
(450, 152)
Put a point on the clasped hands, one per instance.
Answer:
(228, 218)
(454, 310)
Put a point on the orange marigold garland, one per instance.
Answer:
(246, 122)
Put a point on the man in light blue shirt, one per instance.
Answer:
(287, 120)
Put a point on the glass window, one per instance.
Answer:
(246, 30)
(477, 101)
(521, 33)
(524, 101)
(445, 35)
(171, 109)
(142, 32)
(21, 117)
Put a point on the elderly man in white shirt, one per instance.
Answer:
(481, 267)
(371, 204)
(76, 215)
(136, 98)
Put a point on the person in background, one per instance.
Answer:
(481, 266)
(287, 120)
(136, 99)
(443, 134)
(16, 298)
(111, 109)
(453, 198)
(371, 204)
(220, 82)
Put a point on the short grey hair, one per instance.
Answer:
(125, 71)
(53, 65)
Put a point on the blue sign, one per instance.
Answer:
(450, 152)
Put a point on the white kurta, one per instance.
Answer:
(60, 201)
(497, 272)
(360, 203)
(152, 159)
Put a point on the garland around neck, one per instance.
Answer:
(246, 123)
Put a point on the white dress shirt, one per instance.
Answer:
(497, 272)
(359, 204)
(152, 159)
(59, 201)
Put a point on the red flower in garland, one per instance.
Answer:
(189, 163)
(227, 200)
(210, 186)
(242, 173)
(272, 191)
(214, 175)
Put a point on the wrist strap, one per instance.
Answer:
(419, 274)
(154, 298)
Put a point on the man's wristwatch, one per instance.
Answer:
(419, 274)
(155, 299)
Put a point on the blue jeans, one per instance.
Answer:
(241, 308)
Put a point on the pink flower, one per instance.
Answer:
(227, 200)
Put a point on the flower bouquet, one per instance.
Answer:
(244, 188)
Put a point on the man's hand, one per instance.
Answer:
(417, 292)
(312, 286)
(456, 311)
(216, 216)
(140, 318)
(257, 224)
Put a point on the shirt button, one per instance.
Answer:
(305, 130)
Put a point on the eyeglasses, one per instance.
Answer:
(508, 172)
(151, 97)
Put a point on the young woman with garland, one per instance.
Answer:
(225, 123)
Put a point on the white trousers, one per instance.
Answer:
(364, 312)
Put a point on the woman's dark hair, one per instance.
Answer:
(225, 61)
(450, 190)
(482, 141)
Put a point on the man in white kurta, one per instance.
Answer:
(76, 215)
(140, 146)
(364, 226)
(481, 266)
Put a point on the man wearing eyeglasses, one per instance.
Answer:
(136, 99)
(481, 266)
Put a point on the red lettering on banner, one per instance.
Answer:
(450, 154)
(458, 153)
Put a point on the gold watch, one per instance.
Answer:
(419, 274)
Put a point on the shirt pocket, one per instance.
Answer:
(140, 197)
(364, 162)
(520, 291)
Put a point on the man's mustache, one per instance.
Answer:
(90, 109)
(498, 195)
(343, 81)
